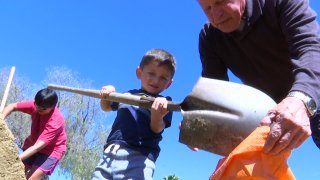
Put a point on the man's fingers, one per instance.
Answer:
(268, 119)
(297, 139)
(283, 144)
(279, 141)
(273, 137)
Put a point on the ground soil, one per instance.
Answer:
(11, 168)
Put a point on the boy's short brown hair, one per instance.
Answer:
(161, 56)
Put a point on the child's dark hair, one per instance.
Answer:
(161, 56)
(46, 98)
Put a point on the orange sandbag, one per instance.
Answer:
(248, 161)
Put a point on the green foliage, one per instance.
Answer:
(171, 177)
(83, 119)
(86, 136)
(20, 89)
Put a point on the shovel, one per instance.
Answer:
(217, 115)
(6, 92)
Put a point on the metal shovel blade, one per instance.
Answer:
(218, 115)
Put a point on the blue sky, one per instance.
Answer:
(104, 41)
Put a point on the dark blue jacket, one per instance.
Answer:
(277, 51)
(131, 127)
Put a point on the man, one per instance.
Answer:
(274, 46)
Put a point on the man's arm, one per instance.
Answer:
(299, 26)
(290, 119)
(212, 67)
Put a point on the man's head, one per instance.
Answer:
(45, 100)
(225, 15)
(156, 70)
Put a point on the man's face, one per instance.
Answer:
(224, 14)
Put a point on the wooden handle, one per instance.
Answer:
(6, 92)
(141, 101)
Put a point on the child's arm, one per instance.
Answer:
(158, 111)
(105, 91)
(32, 150)
(7, 110)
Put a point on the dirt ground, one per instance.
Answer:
(11, 168)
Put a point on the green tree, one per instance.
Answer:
(171, 177)
(83, 115)
(21, 89)
(83, 118)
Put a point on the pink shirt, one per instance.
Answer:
(48, 128)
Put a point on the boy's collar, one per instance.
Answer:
(147, 93)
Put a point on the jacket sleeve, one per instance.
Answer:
(299, 25)
(212, 66)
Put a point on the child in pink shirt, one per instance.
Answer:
(47, 142)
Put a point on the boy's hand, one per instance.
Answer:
(158, 111)
(159, 107)
(106, 90)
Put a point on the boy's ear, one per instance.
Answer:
(169, 83)
(138, 72)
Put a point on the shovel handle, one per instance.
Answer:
(141, 101)
(6, 92)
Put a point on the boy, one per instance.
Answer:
(133, 143)
(47, 142)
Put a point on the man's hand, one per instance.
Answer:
(290, 126)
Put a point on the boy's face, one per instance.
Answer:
(154, 78)
(43, 110)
